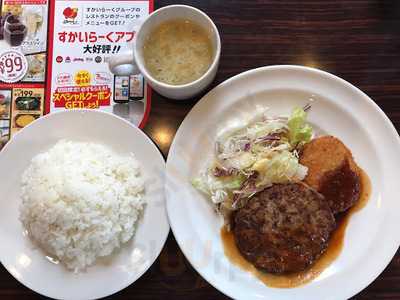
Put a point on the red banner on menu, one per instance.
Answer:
(82, 97)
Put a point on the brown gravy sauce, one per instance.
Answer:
(295, 279)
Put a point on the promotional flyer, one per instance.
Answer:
(54, 56)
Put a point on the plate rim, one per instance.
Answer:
(285, 67)
(149, 140)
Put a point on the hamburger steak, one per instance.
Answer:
(284, 228)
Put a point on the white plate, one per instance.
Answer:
(29, 265)
(338, 108)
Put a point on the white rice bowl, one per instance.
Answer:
(81, 201)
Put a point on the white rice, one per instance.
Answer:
(81, 201)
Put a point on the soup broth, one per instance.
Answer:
(178, 52)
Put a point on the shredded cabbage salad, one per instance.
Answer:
(253, 158)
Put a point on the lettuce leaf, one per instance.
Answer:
(300, 132)
(201, 185)
(234, 183)
(282, 167)
(217, 188)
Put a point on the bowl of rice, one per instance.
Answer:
(83, 211)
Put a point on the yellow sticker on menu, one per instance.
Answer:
(82, 78)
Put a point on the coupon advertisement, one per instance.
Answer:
(54, 56)
(86, 34)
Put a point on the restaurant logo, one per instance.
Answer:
(70, 16)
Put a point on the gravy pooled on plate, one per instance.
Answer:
(178, 51)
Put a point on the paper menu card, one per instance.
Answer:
(58, 53)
